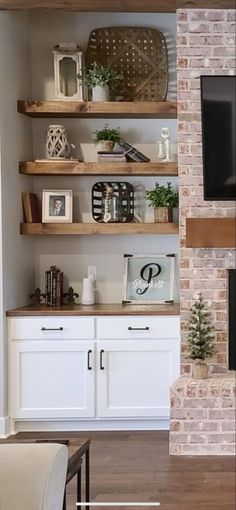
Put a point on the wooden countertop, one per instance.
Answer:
(95, 310)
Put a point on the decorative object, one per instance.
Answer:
(132, 154)
(138, 54)
(113, 202)
(163, 199)
(149, 279)
(69, 298)
(106, 138)
(57, 145)
(100, 79)
(68, 70)
(54, 287)
(164, 146)
(200, 337)
(38, 297)
(57, 206)
(30, 207)
(87, 292)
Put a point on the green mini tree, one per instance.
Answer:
(200, 337)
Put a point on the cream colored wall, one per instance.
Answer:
(17, 253)
(74, 254)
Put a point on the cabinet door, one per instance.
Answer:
(52, 379)
(134, 377)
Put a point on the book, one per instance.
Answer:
(132, 154)
(30, 207)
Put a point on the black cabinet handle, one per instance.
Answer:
(101, 360)
(89, 360)
(52, 329)
(138, 329)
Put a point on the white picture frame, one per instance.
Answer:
(57, 206)
(149, 279)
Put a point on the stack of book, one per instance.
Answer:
(118, 157)
(54, 287)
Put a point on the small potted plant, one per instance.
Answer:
(163, 199)
(100, 79)
(106, 138)
(200, 337)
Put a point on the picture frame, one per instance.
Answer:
(57, 206)
(149, 279)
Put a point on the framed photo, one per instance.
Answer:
(57, 206)
(149, 279)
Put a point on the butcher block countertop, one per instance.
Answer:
(94, 310)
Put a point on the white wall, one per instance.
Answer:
(17, 253)
(72, 255)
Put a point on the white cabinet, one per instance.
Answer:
(92, 368)
(134, 377)
(52, 379)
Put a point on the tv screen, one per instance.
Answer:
(219, 136)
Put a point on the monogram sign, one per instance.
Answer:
(149, 278)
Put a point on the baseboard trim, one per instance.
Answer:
(90, 425)
(5, 427)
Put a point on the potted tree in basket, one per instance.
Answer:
(200, 337)
(163, 199)
(106, 138)
(100, 79)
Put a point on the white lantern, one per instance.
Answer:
(69, 72)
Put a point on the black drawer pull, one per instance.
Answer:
(89, 364)
(138, 329)
(101, 360)
(52, 329)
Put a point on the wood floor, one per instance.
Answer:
(135, 466)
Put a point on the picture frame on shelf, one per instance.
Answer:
(149, 279)
(57, 206)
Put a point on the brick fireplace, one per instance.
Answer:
(205, 46)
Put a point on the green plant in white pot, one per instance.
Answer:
(163, 199)
(100, 79)
(200, 337)
(106, 138)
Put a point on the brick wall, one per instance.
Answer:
(205, 45)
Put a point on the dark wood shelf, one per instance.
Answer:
(210, 232)
(126, 110)
(108, 168)
(116, 5)
(42, 229)
(95, 310)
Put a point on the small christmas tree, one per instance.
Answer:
(200, 337)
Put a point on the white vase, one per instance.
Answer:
(57, 145)
(101, 93)
(87, 292)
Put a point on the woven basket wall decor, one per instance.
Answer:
(138, 54)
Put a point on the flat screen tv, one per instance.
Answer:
(219, 136)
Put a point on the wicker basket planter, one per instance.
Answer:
(163, 215)
(200, 370)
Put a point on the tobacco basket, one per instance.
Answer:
(125, 193)
(138, 54)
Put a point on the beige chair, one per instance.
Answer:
(32, 476)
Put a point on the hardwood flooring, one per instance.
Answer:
(135, 466)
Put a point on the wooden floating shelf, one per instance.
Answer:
(42, 229)
(126, 110)
(210, 232)
(116, 5)
(95, 310)
(107, 168)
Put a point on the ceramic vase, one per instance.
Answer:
(101, 93)
(87, 292)
(57, 145)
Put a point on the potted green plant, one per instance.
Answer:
(163, 199)
(106, 138)
(100, 79)
(200, 337)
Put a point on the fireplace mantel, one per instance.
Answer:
(210, 232)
